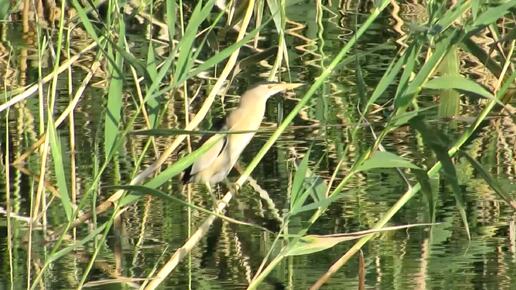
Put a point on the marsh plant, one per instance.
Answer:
(403, 137)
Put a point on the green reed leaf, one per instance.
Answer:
(276, 10)
(171, 19)
(114, 102)
(494, 13)
(4, 9)
(310, 244)
(381, 159)
(409, 61)
(143, 190)
(175, 132)
(83, 16)
(59, 169)
(477, 51)
(426, 189)
(223, 54)
(252, 60)
(152, 102)
(453, 14)
(441, 49)
(457, 82)
(152, 68)
(493, 183)
(298, 197)
(185, 46)
(437, 142)
(306, 183)
(475, 8)
(80, 243)
(386, 80)
(183, 162)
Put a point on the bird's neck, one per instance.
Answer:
(251, 100)
(255, 108)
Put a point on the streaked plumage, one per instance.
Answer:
(216, 163)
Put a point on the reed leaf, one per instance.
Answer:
(383, 159)
(59, 169)
(459, 83)
(185, 46)
(449, 100)
(152, 68)
(85, 20)
(492, 14)
(413, 88)
(175, 132)
(437, 143)
(144, 190)
(80, 243)
(152, 102)
(297, 198)
(57, 254)
(428, 193)
(223, 54)
(451, 15)
(310, 244)
(409, 61)
(4, 9)
(114, 102)
(183, 163)
(171, 15)
(174, 169)
(493, 183)
(386, 80)
(472, 47)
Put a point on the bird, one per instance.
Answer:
(216, 163)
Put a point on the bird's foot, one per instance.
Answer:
(215, 196)
(233, 187)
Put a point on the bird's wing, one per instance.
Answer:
(208, 157)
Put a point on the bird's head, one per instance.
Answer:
(267, 90)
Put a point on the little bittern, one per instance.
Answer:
(214, 165)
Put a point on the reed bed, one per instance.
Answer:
(188, 58)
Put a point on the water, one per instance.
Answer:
(227, 258)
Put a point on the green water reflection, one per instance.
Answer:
(440, 257)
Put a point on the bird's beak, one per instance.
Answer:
(281, 87)
(287, 86)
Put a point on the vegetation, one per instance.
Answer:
(142, 77)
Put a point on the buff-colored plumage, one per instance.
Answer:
(217, 162)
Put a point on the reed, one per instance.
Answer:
(192, 54)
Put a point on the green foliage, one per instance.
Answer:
(310, 244)
(114, 104)
(492, 14)
(394, 99)
(493, 183)
(381, 159)
(4, 9)
(449, 99)
(220, 56)
(307, 184)
(438, 143)
(183, 163)
(459, 83)
(185, 46)
(59, 167)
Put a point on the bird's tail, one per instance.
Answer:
(187, 176)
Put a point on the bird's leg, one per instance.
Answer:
(233, 187)
(213, 197)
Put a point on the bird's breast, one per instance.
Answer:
(243, 119)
